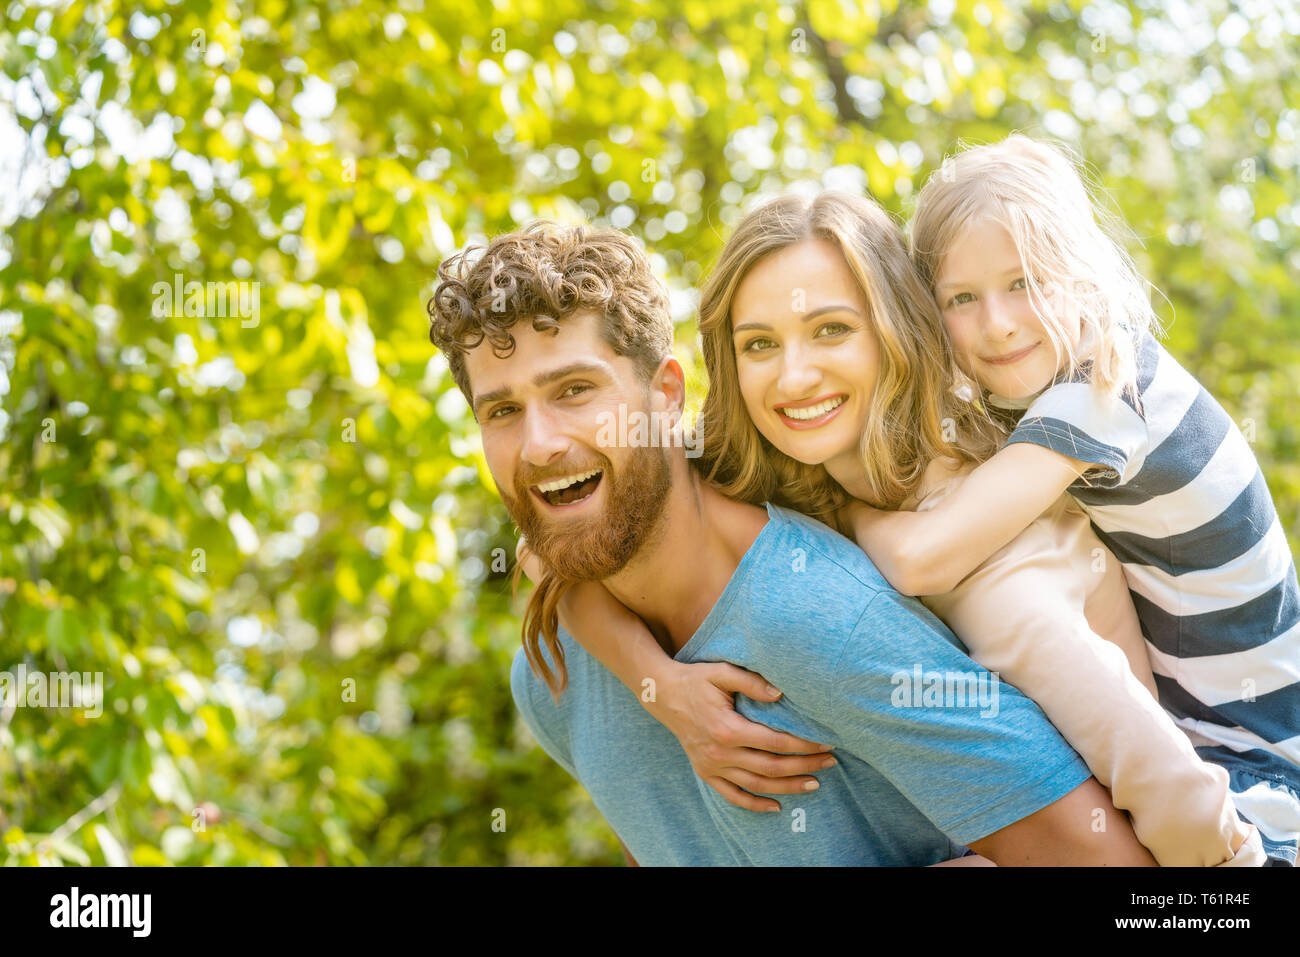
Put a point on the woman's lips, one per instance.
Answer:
(1013, 357)
(801, 424)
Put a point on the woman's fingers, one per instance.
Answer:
(740, 798)
(749, 734)
(768, 785)
(730, 678)
(775, 767)
(743, 733)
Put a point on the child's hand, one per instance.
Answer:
(727, 751)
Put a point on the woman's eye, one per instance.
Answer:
(835, 329)
(758, 345)
(961, 299)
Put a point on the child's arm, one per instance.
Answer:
(928, 553)
(693, 700)
(1027, 615)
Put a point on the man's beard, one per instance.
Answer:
(599, 545)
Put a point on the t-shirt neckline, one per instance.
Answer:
(721, 607)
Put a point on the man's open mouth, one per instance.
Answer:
(569, 489)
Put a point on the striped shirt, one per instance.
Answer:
(1179, 497)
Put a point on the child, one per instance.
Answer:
(1050, 320)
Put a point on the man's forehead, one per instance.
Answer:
(536, 353)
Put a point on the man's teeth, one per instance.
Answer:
(815, 411)
(564, 483)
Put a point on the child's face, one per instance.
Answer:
(998, 339)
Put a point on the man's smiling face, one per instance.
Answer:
(585, 509)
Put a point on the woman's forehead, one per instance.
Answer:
(797, 278)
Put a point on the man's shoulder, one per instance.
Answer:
(839, 562)
(812, 594)
(548, 719)
(528, 690)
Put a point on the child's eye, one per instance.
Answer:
(759, 345)
(836, 328)
(1019, 284)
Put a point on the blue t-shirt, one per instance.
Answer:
(933, 751)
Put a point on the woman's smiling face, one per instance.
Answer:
(806, 354)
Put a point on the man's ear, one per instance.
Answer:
(668, 388)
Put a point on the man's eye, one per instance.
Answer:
(501, 411)
(759, 345)
(961, 299)
(836, 328)
(576, 389)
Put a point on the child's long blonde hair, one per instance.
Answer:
(1067, 246)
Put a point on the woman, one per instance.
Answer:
(830, 380)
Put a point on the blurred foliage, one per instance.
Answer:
(239, 517)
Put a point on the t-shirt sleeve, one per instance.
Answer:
(974, 755)
(544, 717)
(1078, 420)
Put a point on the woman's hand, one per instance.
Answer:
(732, 754)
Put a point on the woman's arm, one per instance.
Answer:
(928, 553)
(1025, 613)
(695, 701)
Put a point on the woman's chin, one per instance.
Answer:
(806, 453)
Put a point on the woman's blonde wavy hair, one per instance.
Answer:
(913, 416)
(1067, 244)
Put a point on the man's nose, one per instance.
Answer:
(543, 440)
(798, 376)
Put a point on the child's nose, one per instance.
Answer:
(999, 323)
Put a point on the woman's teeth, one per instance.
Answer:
(815, 411)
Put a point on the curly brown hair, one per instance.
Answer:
(543, 274)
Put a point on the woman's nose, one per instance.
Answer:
(798, 375)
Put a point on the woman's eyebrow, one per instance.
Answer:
(820, 310)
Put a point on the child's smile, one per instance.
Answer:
(997, 336)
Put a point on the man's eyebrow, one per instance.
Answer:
(543, 379)
(836, 307)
